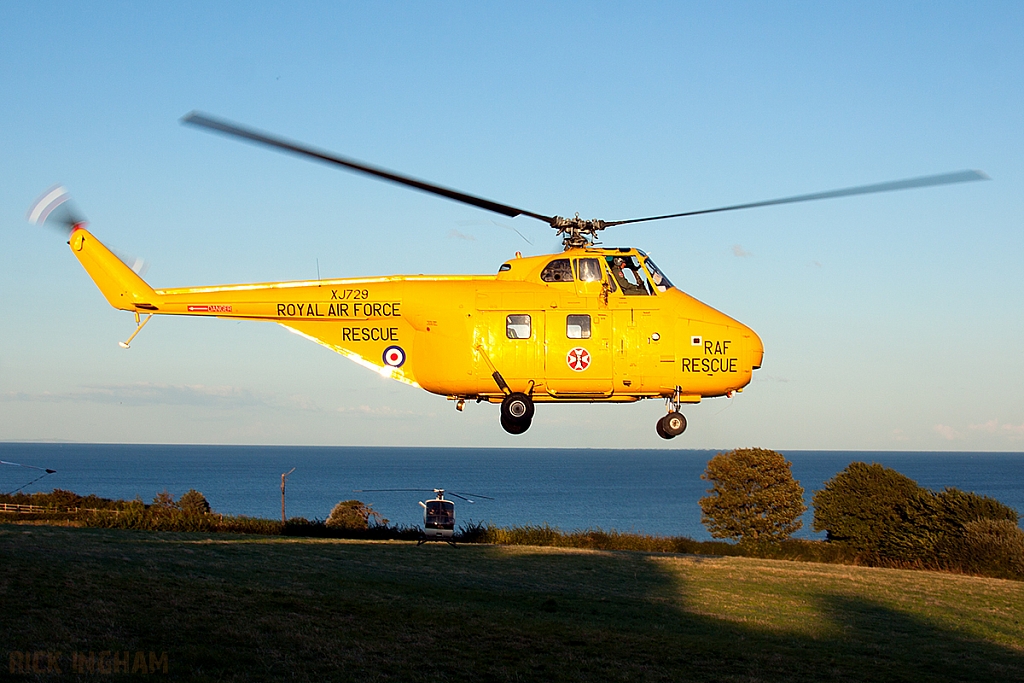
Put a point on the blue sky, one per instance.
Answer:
(889, 322)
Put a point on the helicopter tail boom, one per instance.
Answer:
(119, 284)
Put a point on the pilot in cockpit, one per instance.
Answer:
(631, 284)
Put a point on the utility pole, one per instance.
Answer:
(283, 518)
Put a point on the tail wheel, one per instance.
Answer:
(673, 424)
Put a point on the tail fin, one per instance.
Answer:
(121, 286)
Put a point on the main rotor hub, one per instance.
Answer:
(577, 232)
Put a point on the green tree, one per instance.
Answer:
(354, 514)
(754, 497)
(958, 508)
(864, 504)
(877, 510)
(193, 502)
(916, 531)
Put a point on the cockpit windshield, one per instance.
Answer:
(628, 275)
(440, 514)
(661, 282)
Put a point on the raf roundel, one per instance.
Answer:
(578, 359)
(394, 356)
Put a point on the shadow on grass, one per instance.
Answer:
(270, 609)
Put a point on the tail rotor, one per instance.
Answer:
(55, 208)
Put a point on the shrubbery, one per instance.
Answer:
(354, 514)
(862, 505)
(59, 499)
(871, 514)
(194, 502)
(889, 519)
(993, 547)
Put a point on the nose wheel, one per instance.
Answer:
(672, 425)
(516, 413)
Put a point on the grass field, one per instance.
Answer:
(270, 608)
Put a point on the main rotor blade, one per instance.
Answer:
(475, 495)
(228, 128)
(891, 186)
(31, 467)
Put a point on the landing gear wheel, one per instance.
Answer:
(658, 427)
(515, 427)
(517, 407)
(516, 413)
(672, 424)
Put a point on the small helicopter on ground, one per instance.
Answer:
(438, 513)
(591, 324)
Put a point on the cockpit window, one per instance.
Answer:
(558, 270)
(628, 275)
(588, 269)
(505, 267)
(661, 282)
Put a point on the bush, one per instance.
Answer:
(958, 508)
(60, 498)
(914, 536)
(354, 514)
(193, 502)
(992, 547)
(888, 519)
(864, 504)
(164, 500)
(754, 498)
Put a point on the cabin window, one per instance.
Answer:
(558, 270)
(577, 326)
(589, 269)
(627, 274)
(517, 326)
(661, 282)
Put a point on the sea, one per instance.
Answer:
(644, 491)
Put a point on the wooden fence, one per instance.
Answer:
(36, 509)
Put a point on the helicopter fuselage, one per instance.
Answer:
(591, 324)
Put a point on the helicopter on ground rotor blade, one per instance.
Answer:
(45, 472)
(438, 513)
(590, 324)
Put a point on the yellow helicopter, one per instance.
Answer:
(590, 324)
